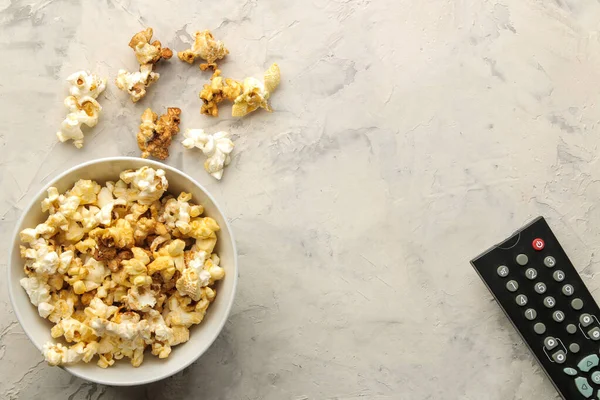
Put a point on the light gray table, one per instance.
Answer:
(407, 137)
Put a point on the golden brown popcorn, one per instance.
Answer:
(147, 54)
(247, 96)
(155, 135)
(205, 47)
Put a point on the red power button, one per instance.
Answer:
(538, 244)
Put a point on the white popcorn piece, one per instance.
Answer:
(82, 105)
(39, 294)
(97, 309)
(136, 83)
(57, 354)
(176, 214)
(140, 298)
(129, 328)
(150, 183)
(217, 147)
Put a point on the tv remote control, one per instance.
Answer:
(544, 297)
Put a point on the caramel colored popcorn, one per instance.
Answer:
(205, 47)
(119, 269)
(247, 96)
(147, 55)
(155, 135)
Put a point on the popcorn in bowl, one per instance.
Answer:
(120, 268)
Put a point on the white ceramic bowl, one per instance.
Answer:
(201, 336)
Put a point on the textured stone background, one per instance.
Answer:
(408, 136)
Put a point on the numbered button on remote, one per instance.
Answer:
(596, 377)
(558, 276)
(522, 259)
(585, 320)
(588, 362)
(594, 334)
(531, 273)
(559, 357)
(568, 290)
(512, 286)
(503, 271)
(558, 316)
(530, 314)
(540, 288)
(521, 300)
(574, 348)
(550, 343)
(549, 262)
(549, 301)
(577, 304)
(571, 329)
(539, 328)
(584, 387)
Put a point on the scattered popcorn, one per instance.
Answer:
(207, 48)
(121, 268)
(216, 147)
(82, 105)
(155, 135)
(247, 96)
(147, 55)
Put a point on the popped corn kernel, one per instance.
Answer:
(82, 105)
(216, 147)
(205, 47)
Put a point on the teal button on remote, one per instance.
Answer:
(588, 363)
(584, 387)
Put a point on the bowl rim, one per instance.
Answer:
(154, 164)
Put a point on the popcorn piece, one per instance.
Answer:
(217, 147)
(128, 326)
(39, 294)
(154, 137)
(218, 90)
(151, 184)
(140, 299)
(207, 48)
(256, 93)
(82, 106)
(57, 354)
(73, 331)
(176, 213)
(180, 313)
(147, 54)
(247, 96)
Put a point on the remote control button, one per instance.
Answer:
(521, 300)
(594, 333)
(550, 343)
(522, 259)
(538, 244)
(577, 304)
(502, 271)
(549, 262)
(596, 377)
(558, 316)
(531, 273)
(570, 371)
(586, 320)
(568, 290)
(584, 387)
(588, 363)
(574, 348)
(549, 302)
(512, 286)
(539, 328)
(558, 276)
(571, 329)
(540, 288)
(559, 357)
(530, 314)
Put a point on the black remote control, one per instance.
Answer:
(544, 297)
